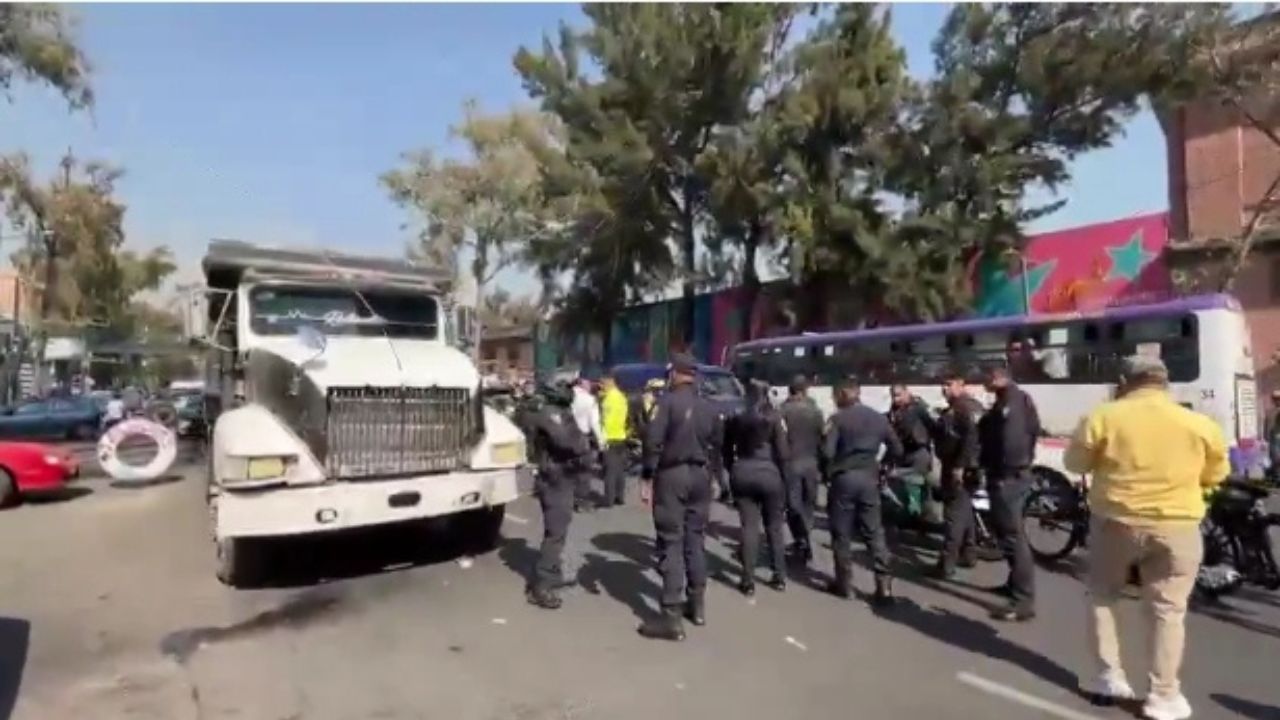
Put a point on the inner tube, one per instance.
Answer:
(166, 450)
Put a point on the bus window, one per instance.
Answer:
(1176, 338)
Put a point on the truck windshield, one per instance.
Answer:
(278, 310)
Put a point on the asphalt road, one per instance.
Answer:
(109, 609)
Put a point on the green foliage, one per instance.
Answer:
(665, 79)
(76, 220)
(36, 45)
(490, 205)
(690, 140)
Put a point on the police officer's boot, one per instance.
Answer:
(542, 597)
(841, 585)
(883, 597)
(666, 626)
(696, 609)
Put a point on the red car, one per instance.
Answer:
(27, 467)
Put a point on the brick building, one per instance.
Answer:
(1220, 169)
(506, 351)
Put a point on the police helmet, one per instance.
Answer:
(558, 392)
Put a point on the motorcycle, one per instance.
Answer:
(1241, 539)
(903, 507)
(1240, 536)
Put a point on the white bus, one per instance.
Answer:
(1067, 362)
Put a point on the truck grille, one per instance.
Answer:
(381, 432)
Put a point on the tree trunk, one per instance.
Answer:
(46, 309)
(750, 282)
(688, 252)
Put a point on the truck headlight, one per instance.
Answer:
(266, 468)
(508, 453)
(254, 472)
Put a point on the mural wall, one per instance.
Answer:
(1114, 263)
(1085, 268)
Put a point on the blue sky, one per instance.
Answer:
(273, 122)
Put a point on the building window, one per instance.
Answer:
(490, 351)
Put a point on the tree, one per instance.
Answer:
(500, 309)
(74, 240)
(744, 168)
(1021, 90)
(668, 77)
(488, 205)
(36, 46)
(850, 79)
(1237, 65)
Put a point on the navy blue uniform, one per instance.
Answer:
(681, 451)
(755, 452)
(1008, 433)
(911, 423)
(804, 426)
(957, 446)
(562, 453)
(854, 438)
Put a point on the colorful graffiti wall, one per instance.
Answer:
(1114, 263)
(1085, 268)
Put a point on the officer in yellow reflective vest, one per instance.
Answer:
(614, 411)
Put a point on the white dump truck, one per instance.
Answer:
(341, 395)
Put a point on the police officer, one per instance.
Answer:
(912, 424)
(681, 451)
(855, 435)
(755, 455)
(562, 453)
(803, 423)
(1007, 433)
(957, 448)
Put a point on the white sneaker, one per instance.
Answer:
(1166, 708)
(1107, 688)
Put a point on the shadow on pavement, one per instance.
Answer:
(305, 608)
(140, 484)
(625, 580)
(66, 493)
(1246, 708)
(979, 638)
(15, 637)
(305, 561)
(1223, 612)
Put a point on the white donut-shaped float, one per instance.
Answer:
(166, 450)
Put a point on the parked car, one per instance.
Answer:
(714, 383)
(27, 467)
(76, 418)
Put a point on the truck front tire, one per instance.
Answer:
(481, 530)
(237, 563)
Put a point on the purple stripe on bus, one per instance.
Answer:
(1127, 312)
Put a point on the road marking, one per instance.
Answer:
(1004, 691)
(795, 643)
(517, 519)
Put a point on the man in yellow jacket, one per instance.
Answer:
(613, 411)
(1151, 461)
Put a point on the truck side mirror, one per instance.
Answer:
(465, 321)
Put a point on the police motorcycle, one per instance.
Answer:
(911, 503)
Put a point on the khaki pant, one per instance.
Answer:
(1168, 557)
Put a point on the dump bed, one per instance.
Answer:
(228, 261)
